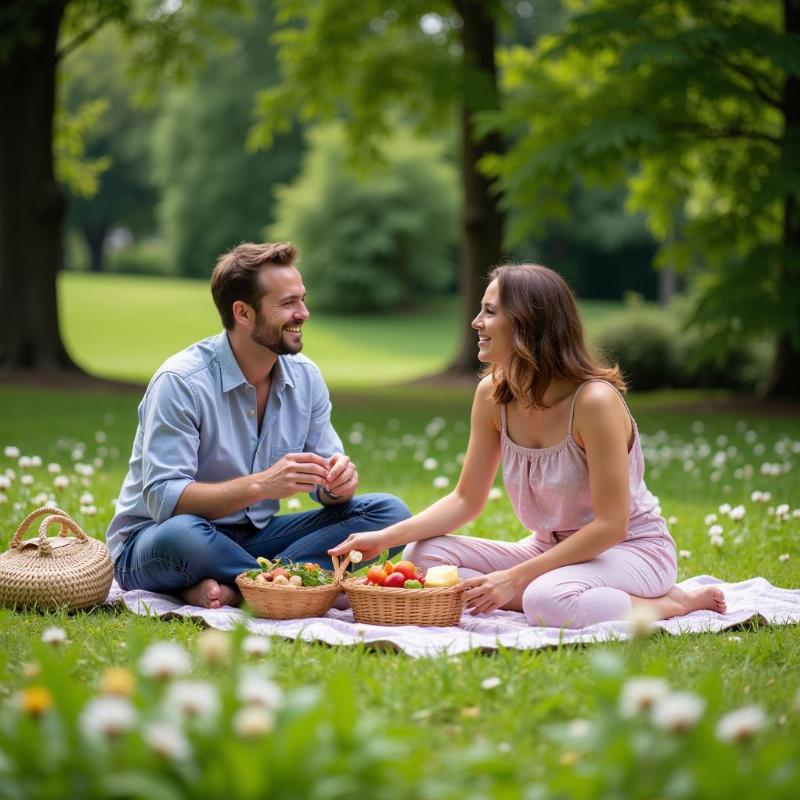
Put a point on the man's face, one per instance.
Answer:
(281, 311)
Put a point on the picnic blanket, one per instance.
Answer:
(754, 601)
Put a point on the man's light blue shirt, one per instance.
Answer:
(197, 422)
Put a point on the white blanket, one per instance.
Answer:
(755, 600)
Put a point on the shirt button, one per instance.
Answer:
(251, 412)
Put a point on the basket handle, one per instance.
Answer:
(23, 526)
(339, 568)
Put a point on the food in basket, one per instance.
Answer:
(289, 574)
(444, 575)
(395, 576)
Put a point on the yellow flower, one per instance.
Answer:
(118, 681)
(35, 700)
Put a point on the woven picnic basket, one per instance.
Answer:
(377, 605)
(54, 572)
(272, 601)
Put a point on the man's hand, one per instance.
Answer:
(342, 479)
(295, 472)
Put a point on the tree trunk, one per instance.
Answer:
(482, 219)
(785, 380)
(31, 203)
(95, 241)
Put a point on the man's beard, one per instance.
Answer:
(273, 340)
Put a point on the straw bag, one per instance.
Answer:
(73, 571)
(284, 601)
(377, 605)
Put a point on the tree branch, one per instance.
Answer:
(753, 80)
(83, 36)
(731, 132)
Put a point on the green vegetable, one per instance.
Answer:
(412, 585)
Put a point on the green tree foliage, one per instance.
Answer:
(694, 104)
(215, 193)
(376, 243)
(120, 137)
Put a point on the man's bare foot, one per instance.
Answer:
(211, 594)
(677, 602)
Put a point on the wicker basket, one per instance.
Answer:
(291, 602)
(49, 573)
(377, 605)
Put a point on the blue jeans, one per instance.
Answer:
(170, 556)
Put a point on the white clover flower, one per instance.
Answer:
(255, 689)
(441, 482)
(24, 462)
(725, 508)
(107, 716)
(250, 723)
(783, 557)
(684, 553)
(86, 499)
(164, 660)
(193, 699)
(641, 620)
(672, 521)
(256, 646)
(716, 530)
(782, 509)
(717, 541)
(710, 518)
(766, 497)
(36, 461)
(293, 504)
(5, 482)
(26, 480)
(580, 729)
(10, 474)
(677, 711)
(640, 694)
(356, 437)
(11, 452)
(54, 468)
(60, 482)
(166, 740)
(214, 646)
(495, 493)
(737, 513)
(740, 725)
(88, 511)
(100, 437)
(55, 636)
(491, 683)
(40, 499)
(3, 498)
(430, 464)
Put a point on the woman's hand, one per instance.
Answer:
(370, 544)
(488, 592)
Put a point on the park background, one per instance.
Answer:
(647, 152)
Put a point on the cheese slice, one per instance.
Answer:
(445, 575)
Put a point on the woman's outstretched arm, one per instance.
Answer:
(458, 507)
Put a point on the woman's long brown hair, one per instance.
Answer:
(548, 342)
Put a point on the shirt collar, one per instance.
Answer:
(232, 375)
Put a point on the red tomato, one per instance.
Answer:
(407, 568)
(388, 567)
(376, 575)
(395, 581)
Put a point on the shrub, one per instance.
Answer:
(143, 258)
(373, 242)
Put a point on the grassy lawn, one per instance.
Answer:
(500, 738)
(162, 316)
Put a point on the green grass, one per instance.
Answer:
(144, 320)
(538, 687)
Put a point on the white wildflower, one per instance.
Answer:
(11, 451)
(737, 513)
(640, 694)
(782, 509)
(491, 683)
(107, 716)
(710, 518)
(725, 508)
(672, 521)
(580, 729)
(716, 530)
(677, 711)
(100, 437)
(86, 499)
(88, 511)
(193, 699)
(214, 646)
(164, 660)
(54, 636)
(166, 740)
(60, 482)
(641, 620)
(717, 541)
(54, 468)
(256, 645)
(293, 504)
(684, 553)
(24, 462)
(5, 482)
(36, 461)
(740, 725)
(430, 464)
(249, 723)
(441, 482)
(356, 437)
(256, 690)
(783, 557)
(26, 480)
(495, 493)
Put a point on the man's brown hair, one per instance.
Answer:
(547, 337)
(236, 275)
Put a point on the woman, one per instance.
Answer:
(573, 470)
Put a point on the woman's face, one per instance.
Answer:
(494, 329)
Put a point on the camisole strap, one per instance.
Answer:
(578, 391)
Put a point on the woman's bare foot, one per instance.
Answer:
(677, 602)
(211, 594)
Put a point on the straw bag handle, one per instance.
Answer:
(339, 568)
(53, 515)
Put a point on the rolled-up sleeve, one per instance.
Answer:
(322, 439)
(171, 440)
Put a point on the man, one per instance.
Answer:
(227, 428)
